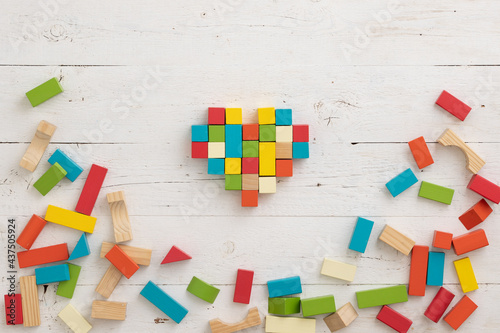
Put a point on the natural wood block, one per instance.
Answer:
(139, 255)
(75, 321)
(119, 214)
(109, 281)
(109, 310)
(290, 325)
(251, 320)
(29, 296)
(284, 150)
(250, 182)
(342, 318)
(397, 240)
(37, 147)
(339, 270)
(474, 162)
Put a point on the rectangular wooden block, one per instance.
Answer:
(91, 190)
(318, 305)
(381, 296)
(43, 255)
(51, 274)
(75, 321)
(109, 281)
(418, 270)
(284, 287)
(234, 141)
(50, 179)
(442, 240)
(469, 242)
(435, 269)
(203, 290)
(13, 309)
(453, 105)
(421, 152)
(401, 182)
(337, 269)
(267, 158)
(394, 319)
(37, 147)
(67, 288)
(139, 255)
(31, 306)
(122, 261)
(465, 274)
(43, 92)
(283, 305)
(460, 312)
(342, 318)
(243, 288)
(70, 219)
(476, 214)
(439, 304)
(73, 170)
(119, 215)
(436, 193)
(109, 310)
(290, 325)
(361, 234)
(31, 231)
(164, 302)
(485, 188)
(397, 240)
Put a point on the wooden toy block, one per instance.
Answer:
(250, 165)
(342, 318)
(234, 141)
(465, 274)
(70, 219)
(50, 179)
(418, 270)
(91, 189)
(300, 149)
(233, 182)
(439, 304)
(199, 149)
(485, 188)
(249, 198)
(243, 287)
(139, 255)
(338, 270)
(216, 166)
(474, 162)
(436, 193)
(381, 296)
(318, 305)
(51, 274)
(453, 105)
(284, 168)
(67, 288)
(284, 134)
(394, 319)
(164, 302)
(284, 150)
(435, 269)
(401, 182)
(81, 249)
(216, 133)
(267, 158)
(203, 290)
(250, 148)
(30, 303)
(234, 116)
(199, 133)
(216, 116)
(109, 310)
(37, 147)
(216, 149)
(460, 312)
(361, 234)
(122, 261)
(469, 242)
(300, 133)
(267, 116)
(75, 321)
(119, 215)
(13, 309)
(283, 117)
(251, 132)
(397, 240)
(31, 231)
(267, 133)
(43, 255)
(73, 170)
(284, 287)
(283, 305)
(252, 319)
(290, 325)
(421, 152)
(442, 240)
(233, 166)
(476, 214)
(175, 254)
(250, 182)
(44, 92)
(109, 281)
(267, 184)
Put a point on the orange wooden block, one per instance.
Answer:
(475, 215)
(421, 152)
(31, 231)
(460, 312)
(284, 168)
(470, 242)
(251, 132)
(442, 240)
(418, 270)
(249, 198)
(43, 255)
(122, 261)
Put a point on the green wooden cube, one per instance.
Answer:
(267, 133)
(67, 288)
(216, 133)
(381, 296)
(436, 192)
(203, 290)
(44, 92)
(50, 179)
(250, 148)
(233, 182)
(318, 305)
(284, 305)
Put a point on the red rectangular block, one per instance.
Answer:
(243, 289)
(439, 304)
(122, 261)
(91, 190)
(216, 116)
(43, 255)
(31, 231)
(453, 105)
(251, 132)
(421, 152)
(300, 133)
(442, 240)
(470, 241)
(485, 188)
(13, 309)
(418, 270)
(476, 214)
(460, 312)
(250, 165)
(394, 319)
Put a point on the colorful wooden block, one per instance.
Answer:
(233, 166)
(267, 133)
(439, 304)
(234, 116)
(216, 116)
(300, 149)
(199, 149)
(485, 188)
(283, 305)
(70, 219)
(460, 312)
(300, 133)
(469, 242)
(453, 105)
(37, 147)
(284, 150)
(418, 270)
(216, 133)
(267, 116)
(476, 214)
(31, 231)
(381, 296)
(243, 287)
(361, 234)
(267, 158)
(51, 274)
(216, 150)
(465, 274)
(109, 310)
(250, 148)
(81, 249)
(283, 116)
(436, 193)
(250, 165)
(164, 302)
(44, 92)
(109, 281)
(284, 134)
(442, 240)
(435, 269)
(251, 132)
(30, 302)
(216, 166)
(249, 198)
(284, 287)
(267, 184)
(284, 168)
(50, 179)
(122, 261)
(401, 182)
(175, 254)
(119, 214)
(394, 319)
(233, 182)
(250, 182)
(75, 321)
(199, 133)
(342, 318)
(234, 141)
(43, 255)
(290, 325)
(338, 270)
(251, 320)
(73, 170)
(318, 305)
(203, 290)
(421, 152)
(139, 255)
(474, 162)
(397, 240)
(92, 188)
(13, 309)
(67, 288)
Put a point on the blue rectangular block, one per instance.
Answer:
(52, 274)
(216, 166)
(283, 116)
(199, 133)
(234, 141)
(300, 150)
(361, 234)
(73, 170)
(401, 182)
(284, 287)
(164, 302)
(435, 269)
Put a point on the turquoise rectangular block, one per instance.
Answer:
(300, 150)
(164, 302)
(284, 287)
(283, 117)
(361, 235)
(401, 182)
(52, 274)
(44, 92)
(199, 133)
(234, 141)
(50, 179)
(73, 170)
(381, 296)
(435, 269)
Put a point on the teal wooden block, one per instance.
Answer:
(52, 274)
(318, 305)
(381, 296)
(284, 305)
(234, 140)
(50, 179)
(81, 249)
(435, 269)
(283, 116)
(361, 235)
(164, 302)
(73, 170)
(436, 192)
(284, 287)
(203, 290)
(44, 92)
(216, 166)
(199, 133)
(401, 182)
(300, 150)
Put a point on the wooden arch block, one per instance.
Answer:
(38, 145)
(474, 162)
(252, 319)
(119, 214)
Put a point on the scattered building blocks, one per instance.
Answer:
(251, 132)
(50, 179)
(250, 182)
(251, 149)
(13, 309)
(234, 141)
(418, 270)
(342, 318)
(284, 134)
(139, 255)
(75, 321)
(70, 219)
(474, 162)
(318, 305)
(436, 193)
(394, 319)
(267, 158)
(361, 234)
(439, 304)
(267, 116)
(233, 166)
(421, 152)
(283, 305)
(216, 116)
(31, 231)
(216, 133)
(381, 296)
(267, 184)
(397, 240)
(91, 190)
(284, 150)
(485, 188)
(37, 147)
(300, 150)
(164, 302)
(234, 116)
(81, 249)
(109, 310)
(249, 198)
(203, 290)
(243, 287)
(199, 133)
(465, 274)
(476, 214)
(233, 182)
(284, 287)
(216, 166)
(44, 92)
(252, 319)
(442, 240)
(217, 150)
(284, 168)
(300, 133)
(250, 165)
(109, 281)
(401, 182)
(469, 242)
(460, 312)
(453, 105)
(199, 149)
(338, 270)
(51, 274)
(67, 288)
(122, 261)
(435, 269)
(29, 296)
(119, 215)
(283, 117)
(175, 254)
(43, 255)
(267, 133)
(290, 325)
(73, 170)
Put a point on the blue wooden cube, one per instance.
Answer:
(199, 133)
(283, 116)
(300, 150)
(216, 166)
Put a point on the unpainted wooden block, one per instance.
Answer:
(109, 281)
(119, 214)
(30, 303)
(252, 319)
(250, 182)
(397, 240)
(284, 150)
(109, 310)
(474, 162)
(139, 255)
(37, 147)
(342, 318)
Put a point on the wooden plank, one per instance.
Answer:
(109, 310)
(109, 281)
(31, 306)
(119, 214)
(139, 255)
(251, 320)
(397, 240)
(37, 147)
(474, 162)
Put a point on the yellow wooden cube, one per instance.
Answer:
(465, 274)
(234, 116)
(233, 166)
(267, 116)
(267, 158)
(267, 184)
(216, 150)
(284, 134)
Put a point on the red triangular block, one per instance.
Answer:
(175, 254)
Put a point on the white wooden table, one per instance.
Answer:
(364, 75)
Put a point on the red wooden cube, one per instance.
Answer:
(442, 240)
(284, 168)
(300, 133)
(250, 165)
(216, 116)
(199, 149)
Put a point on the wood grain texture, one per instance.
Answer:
(251, 320)
(119, 214)
(30, 302)
(109, 310)
(109, 281)
(397, 240)
(139, 255)
(37, 147)
(474, 162)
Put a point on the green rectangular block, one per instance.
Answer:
(50, 179)
(203, 290)
(233, 182)
(250, 148)
(67, 288)
(216, 133)
(283, 305)
(381, 296)
(44, 92)
(436, 193)
(318, 305)
(267, 133)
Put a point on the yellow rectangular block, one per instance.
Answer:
(267, 159)
(232, 166)
(70, 219)
(74, 319)
(267, 116)
(339, 270)
(290, 325)
(234, 116)
(267, 184)
(466, 274)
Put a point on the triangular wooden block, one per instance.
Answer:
(175, 254)
(81, 249)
